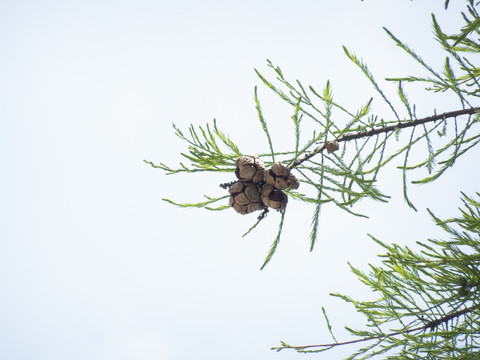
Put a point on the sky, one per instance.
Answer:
(94, 265)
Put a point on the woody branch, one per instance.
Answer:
(386, 129)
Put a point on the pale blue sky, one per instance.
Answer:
(93, 265)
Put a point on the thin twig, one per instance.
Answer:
(431, 325)
(385, 129)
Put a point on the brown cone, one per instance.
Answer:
(250, 168)
(245, 197)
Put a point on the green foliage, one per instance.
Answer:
(273, 248)
(427, 302)
(209, 150)
(367, 140)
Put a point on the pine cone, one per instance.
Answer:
(273, 198)
(250, 168)
(280, 177)
(245, 197)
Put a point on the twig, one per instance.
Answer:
(227, 185)
(431, 325)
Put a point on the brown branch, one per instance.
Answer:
(431, 325)
(386, 129)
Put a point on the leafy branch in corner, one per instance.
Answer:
(428, 302)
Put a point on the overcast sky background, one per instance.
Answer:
(94, 265)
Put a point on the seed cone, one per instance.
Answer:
(273, 198)
(245, 197)
(258, 188)
(280, 177)
(250, 168)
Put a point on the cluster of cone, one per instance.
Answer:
(258, 187)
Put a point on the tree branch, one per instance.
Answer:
(431, 325)
(386, 129)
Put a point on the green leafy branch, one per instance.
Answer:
(209, 150)
(466, 84)
(367, 142)
(425, 299)
(410, 330)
